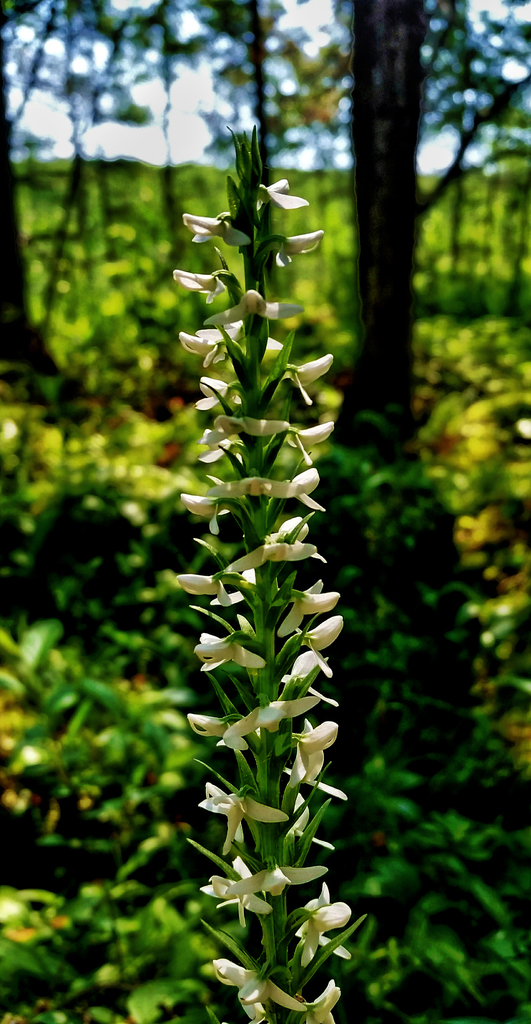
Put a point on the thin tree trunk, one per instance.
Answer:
(386, 108)
(513, 306)
(20, 341)
(257, 54)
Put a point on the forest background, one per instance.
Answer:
(428, 475)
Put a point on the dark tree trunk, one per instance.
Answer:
(386, 108)
(257, 54)
(20, 341)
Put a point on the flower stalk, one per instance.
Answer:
(271, 654)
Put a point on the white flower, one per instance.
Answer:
(257, 428)
(300, 487)
(195, 584)
(308, 372)
(214, 227)
(268, 718)
(302, 668)
(207, 284)
(304, 439)
(319, 1012)
(214, 650)
(218, 888)
(276, 880)
(226, 426)
(309, 602)
(204, 507)
(309, 759)
(253, 302)
(206, 385)
(322, 636)
(254, 991)
(325, 915)
(236, 808)
(206, 725)
(274, 553)
(278, 195)
(210, 343)
(298, 828)
(297, 244)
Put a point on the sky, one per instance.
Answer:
(192, 93)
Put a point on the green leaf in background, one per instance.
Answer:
(147, 1002)
(56, 1017)
(10, 682)
(39, 640)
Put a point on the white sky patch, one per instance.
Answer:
(436, 154)
(139, 142)
(193, 92)
(44, 119)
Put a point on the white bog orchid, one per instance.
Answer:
(253, 302)
(218, 889)
(309, 759)
(304, 439)
(205, 508)
(274, 553)
(236, 808)
(275, 880)
(195, 584)
(252, 989)
(322, 636)
(298, 828)
(209, 386)
(268, 717)
(325, 915)
(215, 650)
(319, 1012)
(205, 228)
(302, 667)
(308, 602)
(307, 373)
(207, 284)
(296, 244)
(300, 487)
(277, 194)
(262, 722)
(209, 343)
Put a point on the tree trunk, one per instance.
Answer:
(20, 341)
(386, 108)
(257, 55)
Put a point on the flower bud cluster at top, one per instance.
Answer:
(277, 644)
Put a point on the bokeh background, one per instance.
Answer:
(412, 147)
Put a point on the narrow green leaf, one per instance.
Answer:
(211, 550)
(212, 615)
(326, 951)
(227, 706)
(304, 843)
(228, 871)
(246, 776)
(237, 358)
(230, 786)
(256, 158)
(222, 259)
(287, 655)
(235, 949)
(277, 371)
(250, 643)
(243, 691)
(233, 197)
(212, 1016)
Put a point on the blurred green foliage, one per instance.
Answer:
(100, 905)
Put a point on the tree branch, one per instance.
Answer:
(486, 114)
